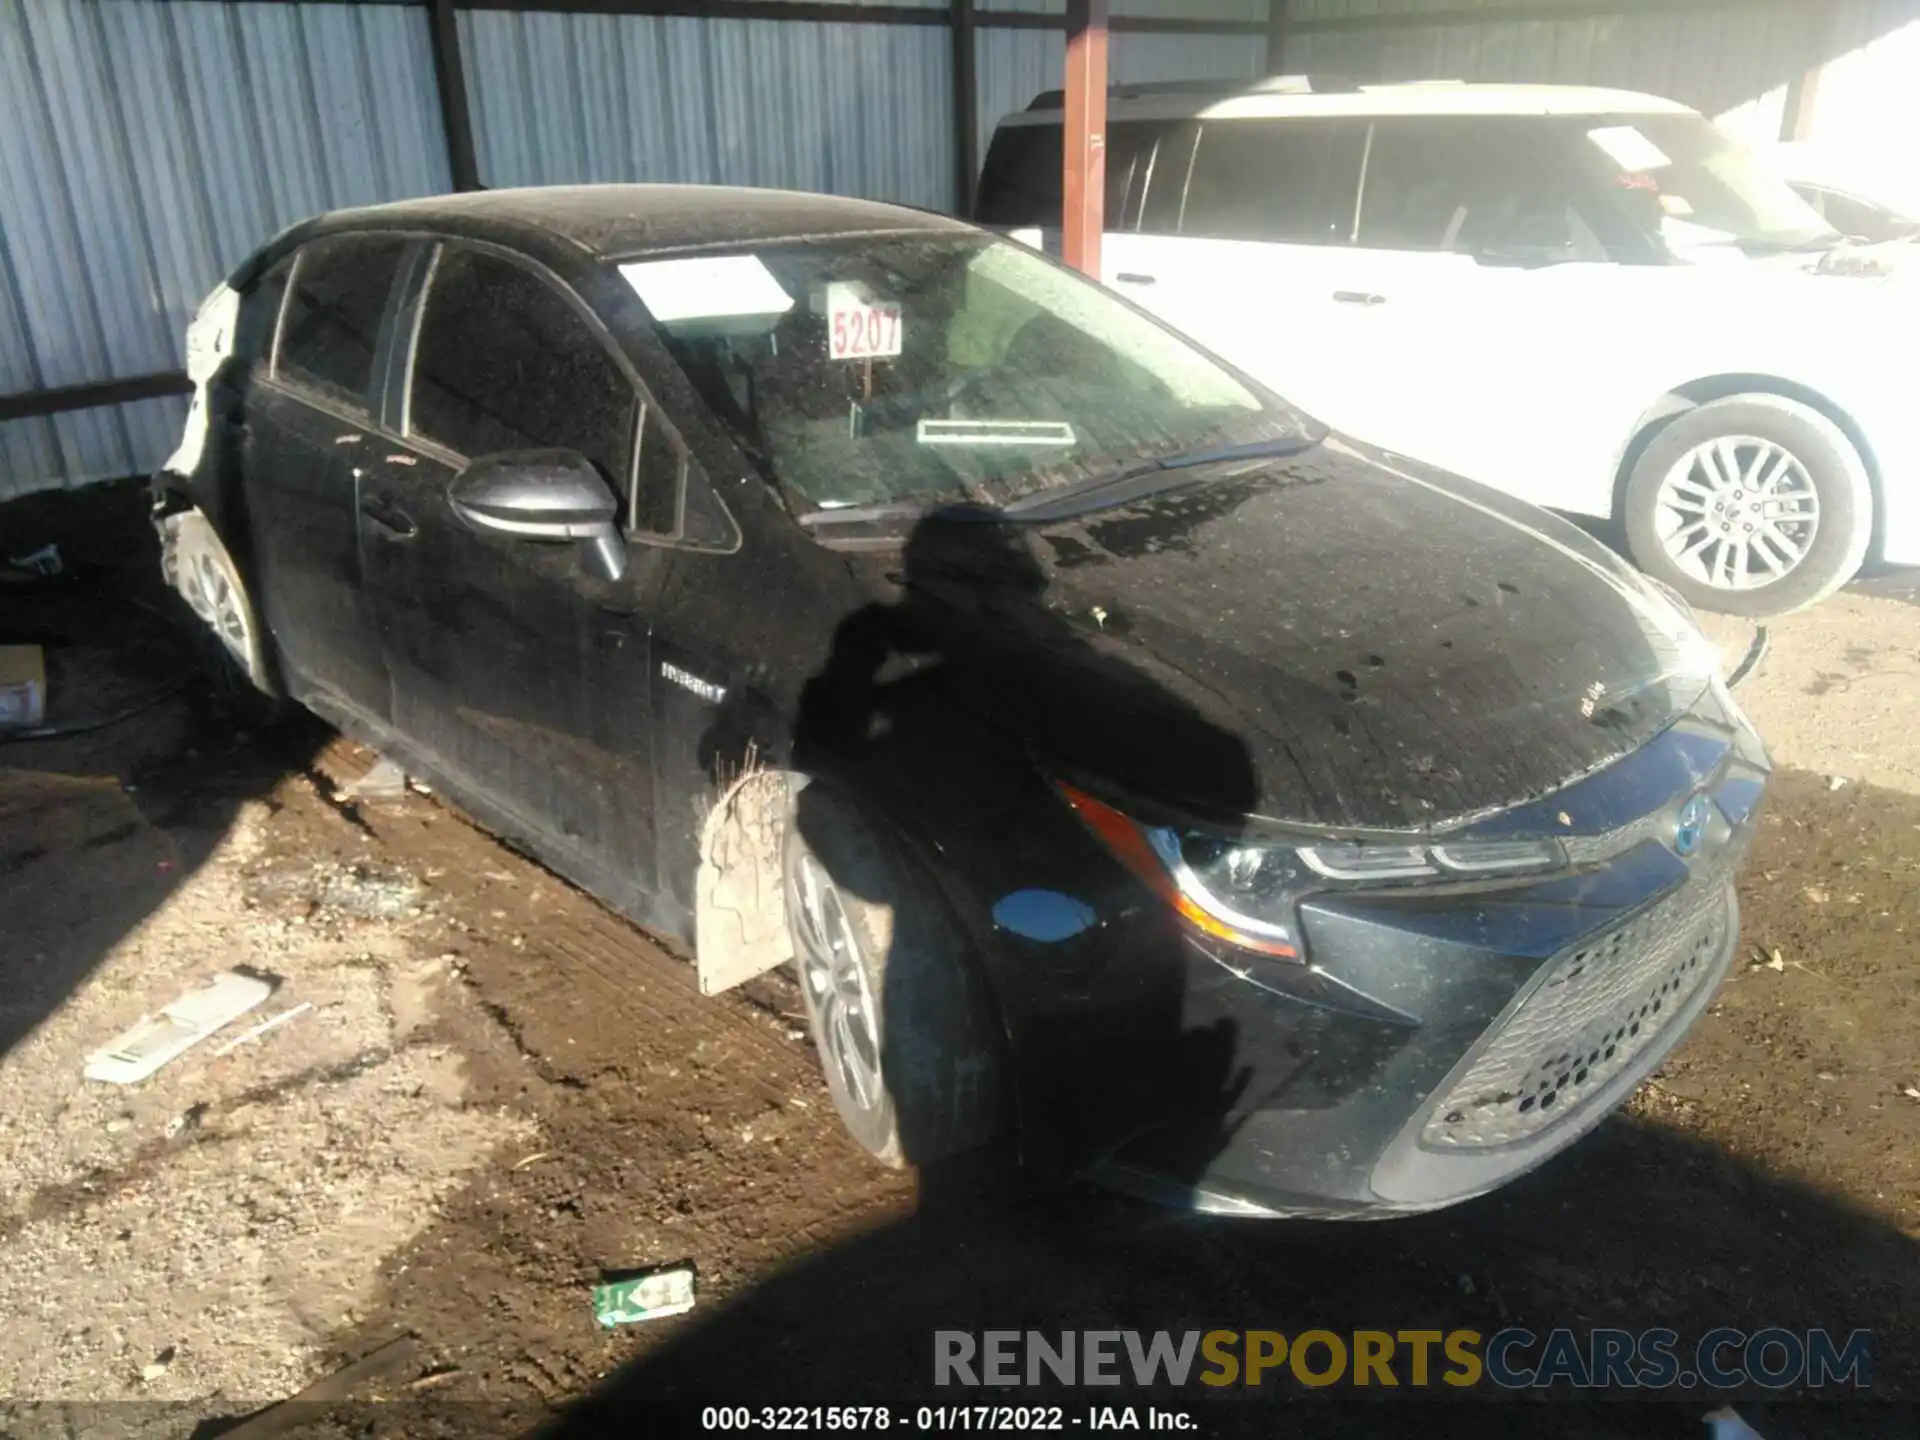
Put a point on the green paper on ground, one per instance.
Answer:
(652, 1296)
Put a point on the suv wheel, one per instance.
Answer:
(1753, 505)
(898, 1017)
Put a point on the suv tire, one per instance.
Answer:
(1740, 487)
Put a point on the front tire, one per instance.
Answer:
(1754, 505)
(898, 1016)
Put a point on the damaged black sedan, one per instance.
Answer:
(1127, 767)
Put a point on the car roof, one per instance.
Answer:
(1298, 96)
(605, 221)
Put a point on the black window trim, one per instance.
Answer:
(372, 400)
(400, 381)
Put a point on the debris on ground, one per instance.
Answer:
(158, 1366)
(137, 1052)
(23, 687)
(41, 564)
(255, 1032)
(368, 893)
(1726, 1424)
(385, 783)
(1764, 959)
(653, 1295)
(1837, 782)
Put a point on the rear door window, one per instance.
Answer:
(1021, 181)
(330, 329)
(1293, 181)
(505, 362)
(260, 314)
(1500, 188)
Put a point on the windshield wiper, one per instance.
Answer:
(868, 514)
(1178, 460)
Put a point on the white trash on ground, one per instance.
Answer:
(136, 1053)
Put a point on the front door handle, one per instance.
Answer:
(1128, 277)
(1358, 297)
(390, 520)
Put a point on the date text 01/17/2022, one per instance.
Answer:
(944, 1419)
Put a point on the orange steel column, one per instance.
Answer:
(1084, 184)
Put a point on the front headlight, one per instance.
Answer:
(1248, 894)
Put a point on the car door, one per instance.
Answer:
(305, 429)
(518, 671)
(1242, 227)
(1497, 324)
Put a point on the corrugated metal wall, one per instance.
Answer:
(853, 109)
(1012, 66)
(144, 150)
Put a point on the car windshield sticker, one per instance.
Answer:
(707, 287)
(993, 432)
(859, 327)
(1629, 149)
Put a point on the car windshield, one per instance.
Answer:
(1686, 184)
(908, 370)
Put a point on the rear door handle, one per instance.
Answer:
(390, 520)
(1128, 277)
(1358, 297)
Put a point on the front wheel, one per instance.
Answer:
(896, 1008)
(1754, 505)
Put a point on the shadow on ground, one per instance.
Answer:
(101, 822)
(1638, 1228)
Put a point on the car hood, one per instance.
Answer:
(1336, 638)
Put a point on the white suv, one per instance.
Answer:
(1591, 299)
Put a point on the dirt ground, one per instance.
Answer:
(502, 1093)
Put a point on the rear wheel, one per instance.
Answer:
(200, 568)
(896, 1009)
(1754, 505)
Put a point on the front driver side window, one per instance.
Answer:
(504, 362)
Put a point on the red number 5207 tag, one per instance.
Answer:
(861, 330)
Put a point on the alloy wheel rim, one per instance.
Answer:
(217, 600)
(833, 968)
(1737, 512)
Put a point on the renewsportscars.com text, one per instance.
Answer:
(1512, 1359)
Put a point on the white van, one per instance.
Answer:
(1591, 299)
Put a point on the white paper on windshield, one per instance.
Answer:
(993, 432)
(859, 328)
(1628, 148)
(706, 287)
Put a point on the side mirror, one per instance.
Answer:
(551, 495)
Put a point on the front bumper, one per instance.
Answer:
(1443, 1041)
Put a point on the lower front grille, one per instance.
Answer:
(1602, 1003)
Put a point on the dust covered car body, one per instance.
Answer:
(1123, 763)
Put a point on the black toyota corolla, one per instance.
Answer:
(1126, 766)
